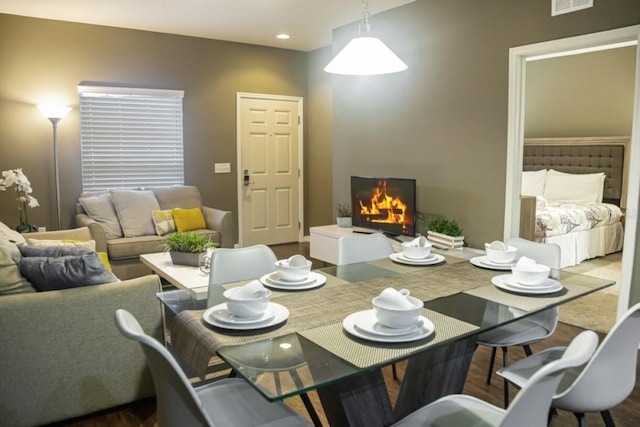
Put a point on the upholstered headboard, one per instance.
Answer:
(582, 155)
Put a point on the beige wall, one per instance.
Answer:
(42, 58)
(581, 95)
(444, 120)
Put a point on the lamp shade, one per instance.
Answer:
(365, 56)
(53, 111)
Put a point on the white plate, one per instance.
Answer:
(222, 314)
(278, 280)
(314, 280)
(367, 322)
(430, 260)
(484, 262)
(506, 282)
(280, 314)
(420, 333)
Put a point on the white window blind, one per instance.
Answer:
(130, 137)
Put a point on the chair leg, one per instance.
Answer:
(395, 371)
(581, 419)
(305, 399)
(505, 382)
(493, 359)
(608, 419)
(552, 413)
(527, 350)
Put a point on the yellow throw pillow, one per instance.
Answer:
(188, 219)
(104, 257)
(163, 221)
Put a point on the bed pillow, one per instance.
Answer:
(188, 219)
(134, 208)
(574, 188)
(71, 271)
(163, 222)
(533, 182)
(100, 208)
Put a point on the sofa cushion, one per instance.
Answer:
(134, 209)
(11, 281)
(163, 221)
(178, 196)
(188, 219)
(133, 247)
(100, 208)
(71, 271)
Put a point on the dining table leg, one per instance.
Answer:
(361, 400)
(434, 373)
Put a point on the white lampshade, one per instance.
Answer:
(365, 56)
(53, 111)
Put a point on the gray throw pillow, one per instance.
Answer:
(71, 271)
(52, 251)
(100, 209)
(134, 208)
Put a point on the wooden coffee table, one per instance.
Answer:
(180, 276)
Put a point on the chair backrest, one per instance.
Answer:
(177, 402)
(531, 405)
(610, 375)
(544, 253)
(363, 247)
(233, 265)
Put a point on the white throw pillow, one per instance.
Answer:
(100, 209)
(574, 188)
(134, 209)
(533, 182)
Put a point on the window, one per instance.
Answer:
(130, 137)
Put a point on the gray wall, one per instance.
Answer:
(43, 58)
(444, 120)
(581, 95)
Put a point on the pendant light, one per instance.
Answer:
(365, 55)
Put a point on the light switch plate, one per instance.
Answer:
(222, 168)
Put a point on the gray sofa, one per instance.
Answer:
(62, 355)
(124, 252)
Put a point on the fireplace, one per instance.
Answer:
(384, 204)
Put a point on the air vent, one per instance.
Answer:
(558, 7)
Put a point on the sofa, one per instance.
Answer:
(124, 223)
(62, 356)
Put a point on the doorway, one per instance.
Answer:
(515, 139)
(270, 175)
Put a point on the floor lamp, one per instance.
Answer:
(55, 113)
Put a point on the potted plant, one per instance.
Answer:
(186, 247)
(445, 234)
(343, 215)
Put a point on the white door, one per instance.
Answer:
(269, 169)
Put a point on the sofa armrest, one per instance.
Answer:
(95, 229)
(222, 222)
(63, 355)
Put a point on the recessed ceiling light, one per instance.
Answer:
(283, 36)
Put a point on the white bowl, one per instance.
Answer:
(394, 317)
(531, 275)
(293, 273)
(415, 252)
(252, 306)
(499, 256)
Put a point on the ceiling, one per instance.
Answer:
(308, 22)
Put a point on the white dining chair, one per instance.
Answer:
(529, 408)
(363, 247)
(604, 382)
(531, 329)
(233, 265)
(227, 402)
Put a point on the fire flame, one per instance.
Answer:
(388, 209)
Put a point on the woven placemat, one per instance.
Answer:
(363, 354)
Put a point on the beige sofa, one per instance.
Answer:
(62, 355)
(124, 252)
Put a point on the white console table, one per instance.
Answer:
(324, 241)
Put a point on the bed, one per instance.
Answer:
(573, 194)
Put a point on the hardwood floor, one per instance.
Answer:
(627, 414)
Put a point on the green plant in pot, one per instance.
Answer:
(445, 233)
(185, 247)
(343, 215)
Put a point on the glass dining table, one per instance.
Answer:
(315, 348)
